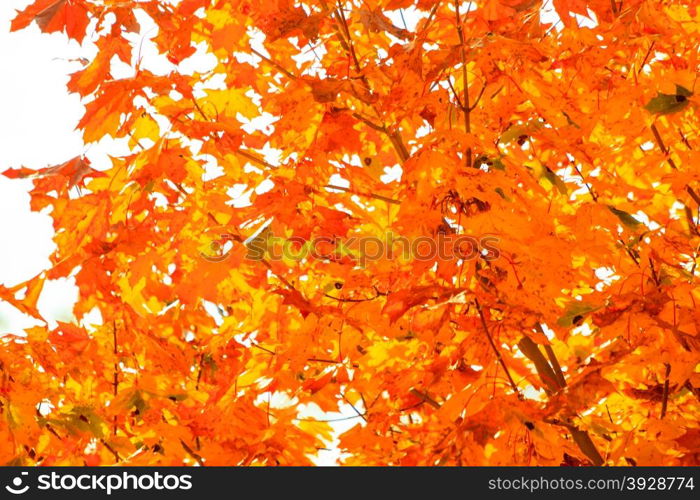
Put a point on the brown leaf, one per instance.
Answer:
(376, 21)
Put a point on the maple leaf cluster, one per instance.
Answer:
(567, 130)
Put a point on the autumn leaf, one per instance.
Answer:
(575, 313)
(416, 232)
(68, 174)
(624, 217)
(31, 291)
(669, 103)
(376, 21)
(326, 90)
(70, 16)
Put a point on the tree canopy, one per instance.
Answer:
(563, 133)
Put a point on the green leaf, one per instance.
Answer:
(502, 194)
(575, 312)
(624, 217)
(586, 445)
(498, 164)
(555, 180)
(681, 90)
(137, 401)
(81, 419)
(544, 369)
(569, 120)
(664, 104)
(177, 396)
(512, 133)
(491, 163)
(515, 131)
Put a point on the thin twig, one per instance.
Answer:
(425, 398)
(662, 146)
(367, 195)
(341, 299)
(693, 195)
(199, 371)
(588, 186)
(495, 349)
(644, 61)
(191, 453)
(254, 158)
(664, 403)
(343, 32)
(117, 459)
(276, 65)
(454, 92)
(369, 123)
(116, 372)
(353, 407)
(478, 98)
(466, 110)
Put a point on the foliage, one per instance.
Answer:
(571, 137)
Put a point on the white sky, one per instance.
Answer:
(36, 130)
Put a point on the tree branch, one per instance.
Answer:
(664, 403)
(495, 349)
(553, 377)
(466, 109)
(343, 32)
